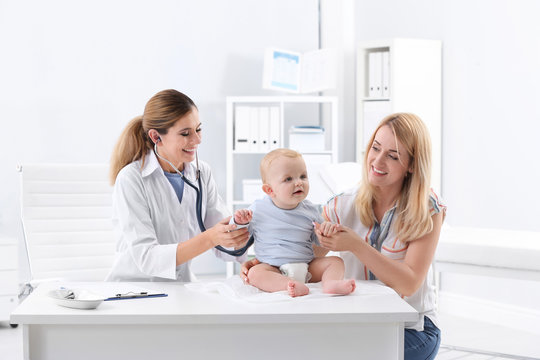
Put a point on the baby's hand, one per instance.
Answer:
(327, 228)
(242, 216)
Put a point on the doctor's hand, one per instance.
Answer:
(227, 235)
(245, 269)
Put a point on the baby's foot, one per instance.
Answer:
(339, 287)
(296, 288)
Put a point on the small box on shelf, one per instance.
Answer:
(306, 138)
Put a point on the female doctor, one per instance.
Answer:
(155, 212)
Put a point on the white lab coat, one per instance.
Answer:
(149, 221)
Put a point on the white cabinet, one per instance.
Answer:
(258, 124)
(8, 277)
(400, 75)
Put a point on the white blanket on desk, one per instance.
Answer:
(234, 288)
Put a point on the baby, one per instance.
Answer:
(282, 223)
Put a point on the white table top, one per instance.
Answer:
(185, 306)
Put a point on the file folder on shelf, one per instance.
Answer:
(375, 74)
(242, 128)
(385, 74)
(254, 129)
(275, 128)
(264, 129)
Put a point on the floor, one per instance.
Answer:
(462, 339)
(489, 340)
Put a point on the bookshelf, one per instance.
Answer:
(400, 75)
(283, 112)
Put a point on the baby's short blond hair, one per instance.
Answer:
(273, 155)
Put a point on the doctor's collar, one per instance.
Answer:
(151, 164)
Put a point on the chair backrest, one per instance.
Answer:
(66, 216)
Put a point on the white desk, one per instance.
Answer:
(9, 279)
(195, 325)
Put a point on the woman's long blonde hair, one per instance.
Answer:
(412, 218)
(161, 112)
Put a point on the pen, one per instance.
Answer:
(134, 295)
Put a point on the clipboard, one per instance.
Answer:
(135, 295)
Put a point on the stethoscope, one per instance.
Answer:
(198, 202)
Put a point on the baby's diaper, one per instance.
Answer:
(296, 271)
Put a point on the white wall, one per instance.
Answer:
(491, 113)
(72, 74)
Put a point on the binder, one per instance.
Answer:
(385, 74)
(253, 129)
(264, 129)
(275, 128)
(375, 74)
(371, 75)
(241, 128)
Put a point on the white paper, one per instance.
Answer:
(109, 289)
(318, 71)
(235, 289)
(282, 70)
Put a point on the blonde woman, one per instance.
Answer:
(157, 214)
(390, 224)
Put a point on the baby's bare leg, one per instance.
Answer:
(269, 278)
(330, 271)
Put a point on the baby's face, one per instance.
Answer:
(289, 182)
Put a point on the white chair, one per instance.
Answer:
(66, 217)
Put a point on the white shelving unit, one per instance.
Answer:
(410, 75)
(292, 110)
(8, 277)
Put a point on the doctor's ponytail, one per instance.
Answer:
(132, 145)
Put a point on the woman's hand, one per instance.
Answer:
(345, 239)
(245, 269)
(227, 235)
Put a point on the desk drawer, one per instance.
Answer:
(8, 257)
(7, 305)
(8, 282)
